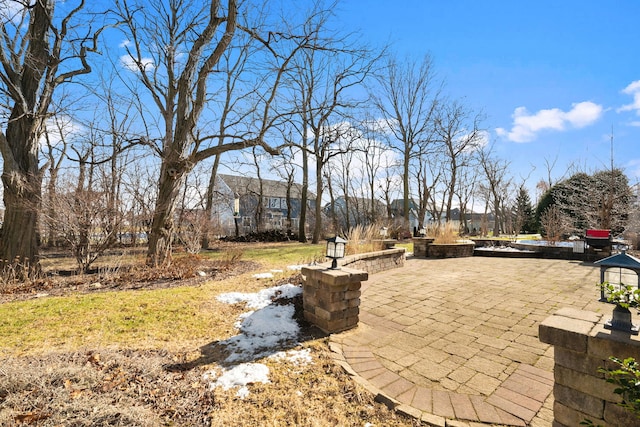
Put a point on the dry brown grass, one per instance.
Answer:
(136, 358)
(444, 233)
(363, 239)
(133, 388)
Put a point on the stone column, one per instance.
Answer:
(331, 298)
(581, 346)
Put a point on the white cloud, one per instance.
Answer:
(130, 64)
(632, 89)
(125, 43)
(526, 126)
(61, 128)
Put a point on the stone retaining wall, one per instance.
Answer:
(581, 346)
(453, 250)
(420, 245)
(374, 262)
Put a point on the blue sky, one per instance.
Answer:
(554, 78)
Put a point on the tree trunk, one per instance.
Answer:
(209, 202)
(498, 218)
(302, 232)
(317, 230)
(405, 199)
(18, 242)
(161, 235)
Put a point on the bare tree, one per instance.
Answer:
(285, 168)
(320, 82)
(55, 153)
(495, 184)
(231, 95)
(407, 96)
(174, 49)
(459, 132)
(84, 217)
(39, 52)
(554, 223)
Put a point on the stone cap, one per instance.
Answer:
(336, 277)
(584, 331)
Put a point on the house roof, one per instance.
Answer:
(270, 188)
(357, 202)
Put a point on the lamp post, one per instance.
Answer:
(335, 250)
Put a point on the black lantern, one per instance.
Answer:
(335, 250)
(618, 270)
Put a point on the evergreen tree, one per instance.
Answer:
(601, 200)
(524, 218)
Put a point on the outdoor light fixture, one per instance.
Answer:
(335, 250)
(618, 270)
(383, 232)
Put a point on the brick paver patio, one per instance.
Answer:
(455, 341)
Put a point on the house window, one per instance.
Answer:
(274, 203)
(246, 221)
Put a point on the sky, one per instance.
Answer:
(558, 81)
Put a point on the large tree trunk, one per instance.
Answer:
(21, 177)
(22, 181)
(161, 235)
(18, 239)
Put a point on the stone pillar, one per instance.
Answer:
(420, 246)
(581, 346)
(331, 298)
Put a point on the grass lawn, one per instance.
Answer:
(71, 357)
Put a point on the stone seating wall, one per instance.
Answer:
(374, 262)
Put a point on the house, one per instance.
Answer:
(258, 204)
(475, 222)
(397, 211)
(355, 211)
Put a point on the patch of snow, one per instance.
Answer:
(263, 331)
(297, 357)
(276, 271)
(261, 299)
(241, 376)
(263, 275)
(500, 249)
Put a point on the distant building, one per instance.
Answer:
(475, 222)
(397, 211)
(355, 211)
(262, 204)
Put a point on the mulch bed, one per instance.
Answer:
(184, 272)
